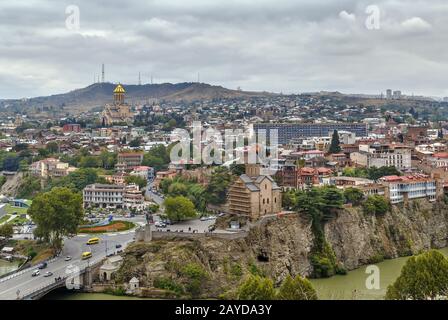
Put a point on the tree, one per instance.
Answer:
(237, 169)
(179, 208)
(219, 183)
(334, 146)
(57, 213)
(135, 143)
(6, 230)
(376, 204)
(256, 288)
(422, 277)
(296, 289)
(141, 182)
(353, 196)
(157, 157)
(52, 147)
(177, 189)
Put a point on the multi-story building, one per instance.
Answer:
(71, 127)
(130, 159)
(50, 167)
(113, 196)
(289, 131)
(382, 155)
(254, 196)
(404, 188)
(144, 172)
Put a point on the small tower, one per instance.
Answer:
(119, 94)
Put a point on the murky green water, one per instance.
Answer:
(350, 286)
(353, 285)
(6, 266)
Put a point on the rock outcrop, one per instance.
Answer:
(282, 246)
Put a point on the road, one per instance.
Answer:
(151, 195)
(24, 283)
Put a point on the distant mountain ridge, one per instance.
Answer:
(99, 94)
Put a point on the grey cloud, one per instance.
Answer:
(287, 46)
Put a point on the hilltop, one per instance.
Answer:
(98, 94)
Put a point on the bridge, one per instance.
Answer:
(74, 274)
(73, 280)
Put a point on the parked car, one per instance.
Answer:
(118, 246)
(211, 228)
(68, 258)
(42, 265)
(35, 273)
(48, 274)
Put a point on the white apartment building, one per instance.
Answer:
(383, 155)
(113, 196)
(404, 188)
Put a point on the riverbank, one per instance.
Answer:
(347, 287)
(352, 286)
(6, 266)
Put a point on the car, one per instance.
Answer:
(160, 224)
(35, 273)
(42, 265)
(118, 246)
(222, 214)
(204, 219)
(68, 258)
(48, 274)
(211, 228)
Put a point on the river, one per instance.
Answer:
(350, 286)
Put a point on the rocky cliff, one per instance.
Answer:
(210, 267)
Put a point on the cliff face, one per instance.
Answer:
(358, 239)
(282, 246)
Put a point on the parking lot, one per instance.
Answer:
(195, 225)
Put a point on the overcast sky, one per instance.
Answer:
(280, 46)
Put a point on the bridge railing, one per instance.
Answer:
(50, 285)
(14, 274)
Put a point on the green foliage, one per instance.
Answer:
(256, 288)
(158, 157)
(236, 270)
(422, 277)
(179, 208)
(324, 261)
(335, 144)
(140, 181)
(29, 187)
(6, 230)
(196, 275)
(321, 205)
(57, 214)
(2, 180)
(52, 147)
(237, 169)
(219, 183)
(183, 187)
(353, 196)
(77, 180)
(296, 289)
(373, 173)
(135, 143)
(376, 204)
(168, 284)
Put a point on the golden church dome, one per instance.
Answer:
(119, 89)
